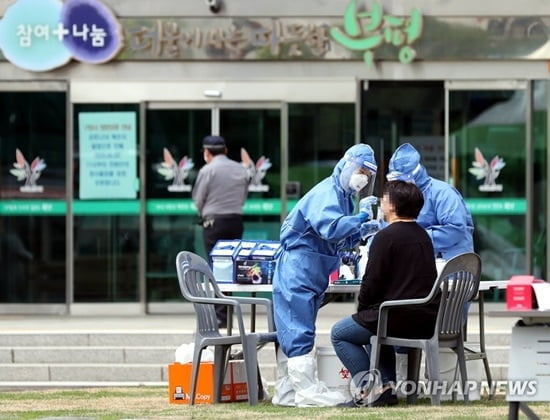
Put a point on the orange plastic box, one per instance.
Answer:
(520, 294)
(179, 384)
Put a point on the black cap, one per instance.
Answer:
(213, 142)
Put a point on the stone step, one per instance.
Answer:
(147, 338)
(63, 339)
(83, 372)
(143, 374)
(156, 354)
(143, 354)
(140, 358)
(86, 354)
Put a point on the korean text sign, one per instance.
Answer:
(107, 164)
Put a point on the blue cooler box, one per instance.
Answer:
(245, 249)
(258, 265)
(223, 260)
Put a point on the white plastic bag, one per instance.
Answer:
(184, 354)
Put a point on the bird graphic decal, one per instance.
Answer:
(175, 171)
(29, 173)
(256, 171)
(254, 274)
(489, 172)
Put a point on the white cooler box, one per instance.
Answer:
(447, 366)
(332, 372)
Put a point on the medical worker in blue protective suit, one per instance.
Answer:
(444, 216)
(321, 224)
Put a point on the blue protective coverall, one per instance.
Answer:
(444, 214)
(321, 224)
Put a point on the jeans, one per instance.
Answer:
(351, 342)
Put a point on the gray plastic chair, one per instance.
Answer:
(197, 285)
(457, 284)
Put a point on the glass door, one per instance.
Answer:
(253, 135)
(488, 153)
(173, 137)
(106, 203)
(33, 149)
(174, 133)
(396, 112)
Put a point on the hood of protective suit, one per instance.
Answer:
(406, 160)
(363, 155)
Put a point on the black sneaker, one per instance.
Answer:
(386, 398)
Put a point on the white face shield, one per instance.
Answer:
(358, 175)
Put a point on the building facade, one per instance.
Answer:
(103, 106)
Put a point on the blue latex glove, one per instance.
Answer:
(369, 228)
(365, 205)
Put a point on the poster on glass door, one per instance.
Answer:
(28, 172)
(175, 170)
(107, 147)
(256, 171)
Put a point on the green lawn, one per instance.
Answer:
(152, 403)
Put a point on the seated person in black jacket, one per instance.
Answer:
(400, 265)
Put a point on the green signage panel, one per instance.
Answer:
(255, 206)
(268, 206)
(486, 206)
(107, 207)
(272, 206)
(170, 206)
(33, 207)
